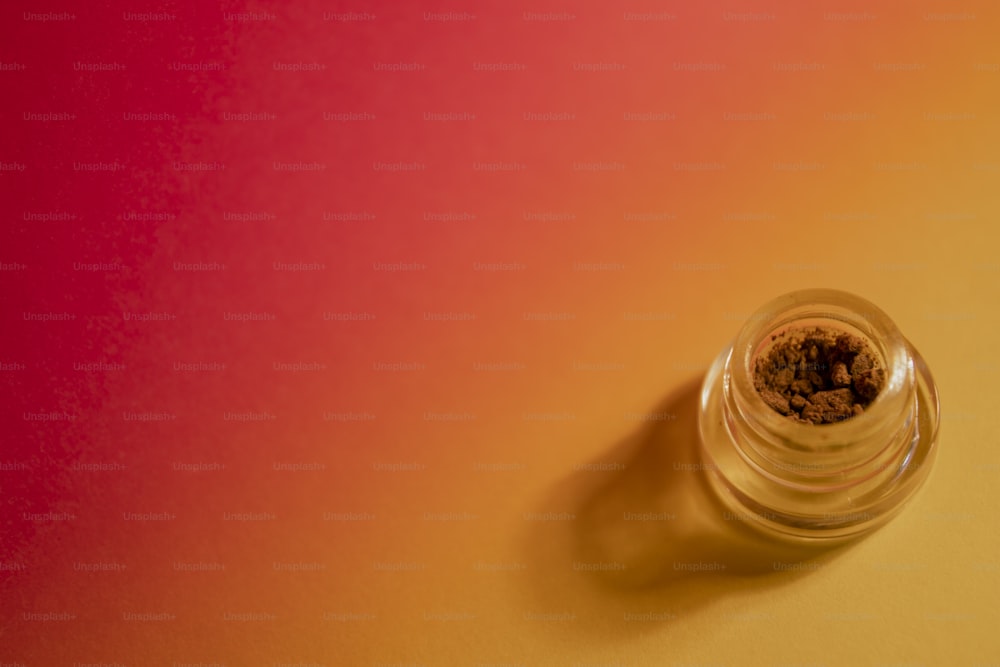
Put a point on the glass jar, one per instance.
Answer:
(817, 481)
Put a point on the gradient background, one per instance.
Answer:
(845, 144)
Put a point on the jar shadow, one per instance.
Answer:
(649, 541)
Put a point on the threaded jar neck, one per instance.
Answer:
(826, 478)
(820, 456)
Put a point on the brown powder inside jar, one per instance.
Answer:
(817, 375)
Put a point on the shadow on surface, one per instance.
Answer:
(650, 541)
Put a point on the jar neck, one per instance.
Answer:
(855, 454)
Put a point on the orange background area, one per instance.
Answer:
(346, 334)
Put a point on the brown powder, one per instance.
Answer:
(818, 376)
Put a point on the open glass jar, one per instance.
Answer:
(817, 481)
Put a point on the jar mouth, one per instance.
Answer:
(838, 311)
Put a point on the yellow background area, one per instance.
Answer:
(490, 583)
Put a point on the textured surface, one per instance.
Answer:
(819, 376)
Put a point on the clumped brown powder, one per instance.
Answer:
(818, 376)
